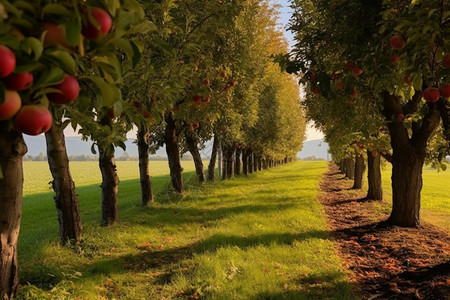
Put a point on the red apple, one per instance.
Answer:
(406, 80)
(340, 85)
(316, 91)
(313, 77)
(33, 119)
(233, 83)
(354, 93)
(101, 26)
(394, 58)
(146, 114)
(357, 71)
(198, 105)
(400, 116)
(334, 76)
(191, 127)
(69, 88)
(207, 99)
(110, 114)
(7, 61)
(446, 60)
(445, 90)
(137, 104)
(350, 103)
(208, 120)
(207, 82)
(374, 153)
(18, 81)
(197, 98)
(431, 94)
(223, 74)
(397, 42)
(55, 35)
(350, 65)
(195, 125)
(10, 106)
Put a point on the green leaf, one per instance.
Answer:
(56, 9)
(129, 48)
(109, 93)
(443, 166)
(51, 76)
(64, 60)
(73, 31)
(135, 6)
(25, 5)
(93, 149)
(35, 46)
(417, 81)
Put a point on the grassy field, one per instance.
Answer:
(260, 237)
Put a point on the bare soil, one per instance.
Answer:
(385, 262)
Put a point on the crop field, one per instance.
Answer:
(37, 175)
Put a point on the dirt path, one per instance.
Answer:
(386, 262)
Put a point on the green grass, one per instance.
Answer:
(257, 237)
(435, 201)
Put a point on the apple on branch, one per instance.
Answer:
(431, 94)
(97, 24)
(69, 90)
(10, 106)
(18, 81)
(7, 61)
(33, 119)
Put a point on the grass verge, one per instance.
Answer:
(257, 237)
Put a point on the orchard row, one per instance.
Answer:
(181, 72)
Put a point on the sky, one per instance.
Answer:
(285, 14)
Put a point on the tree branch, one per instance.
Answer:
(413, 105)
(429, 124)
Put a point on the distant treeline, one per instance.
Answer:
(83, 157)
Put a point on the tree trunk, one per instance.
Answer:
(259, 163)
(212, 162)
(230, 162)
(349, 168)
(110, 186)
(245, 161)
(173, 154)
(255, 163)
(12, 149)
(360, 167)
(237, 162)
(375, 188)
(66, 198)
(192, 143)
(408, 157)
(147, 196)
(250, 162)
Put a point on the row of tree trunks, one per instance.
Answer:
(375, 188)
(173, 154)
(12, 150)
(212, 162)
(360, 167)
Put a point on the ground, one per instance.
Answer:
(387, 262)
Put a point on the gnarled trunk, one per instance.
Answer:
(212, 162)
(173, 154)
(375, 188)
(66, 198)
(144, 171)
(192, 144)
(110, 186)
(360, 166)
(12, 149)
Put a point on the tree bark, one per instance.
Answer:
(237, 162)
(408, 158)
(255, 162)
(66, 198)
(192, 144)
(360, 167)
(245, 161)
(259, 163)
(349, 168)
(229, 157)
(375, 188)
(12, 149)
(250, 162)
(147, 196)
(173, 154)
(212, 162)
(110, 186)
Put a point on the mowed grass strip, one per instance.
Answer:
(257, 237)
